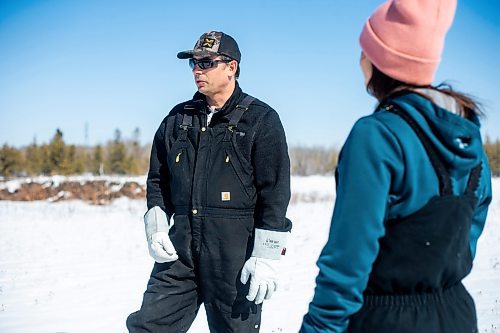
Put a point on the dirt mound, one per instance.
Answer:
(97, 192)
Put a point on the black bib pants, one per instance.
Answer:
(415, 284)
(214, 197)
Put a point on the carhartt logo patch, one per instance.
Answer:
(225, 196)
(208, 42)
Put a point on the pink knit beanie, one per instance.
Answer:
(404, 38)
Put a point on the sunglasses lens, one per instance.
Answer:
(205, 64)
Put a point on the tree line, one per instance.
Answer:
(492, 149)
(118, 156)
(128, 156)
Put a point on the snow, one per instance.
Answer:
(11, 186)
(73, 267)
(55, 181)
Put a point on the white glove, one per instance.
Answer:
(263, 282)
(160, 247)
(262, 266)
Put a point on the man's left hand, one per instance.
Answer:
(263, 274)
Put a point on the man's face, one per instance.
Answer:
(212, 75)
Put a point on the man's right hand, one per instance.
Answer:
(159, 244)
(161, 248)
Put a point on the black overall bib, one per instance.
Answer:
(214, 197)
(415, 284)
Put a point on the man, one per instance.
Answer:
(217, 191)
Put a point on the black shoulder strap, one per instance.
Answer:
(473, 182)
(187, 121)
(436, 159)
(239, 109)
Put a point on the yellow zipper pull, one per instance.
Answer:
(227, 158)
(178, 157)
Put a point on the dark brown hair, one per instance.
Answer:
(226, 58)
(382, 87)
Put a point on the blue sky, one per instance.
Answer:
(112, 64)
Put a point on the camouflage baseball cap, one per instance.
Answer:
(211, 44)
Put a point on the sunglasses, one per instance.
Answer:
(205, 63)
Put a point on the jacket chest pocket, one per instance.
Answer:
(180, 165)
(229, 185)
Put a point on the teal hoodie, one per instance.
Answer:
(384, 173)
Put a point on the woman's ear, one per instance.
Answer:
(366, 68)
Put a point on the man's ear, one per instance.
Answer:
(233, 66)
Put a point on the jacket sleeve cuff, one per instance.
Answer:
(269, 244)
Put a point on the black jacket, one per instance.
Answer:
(263, 145)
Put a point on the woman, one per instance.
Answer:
(413, 189)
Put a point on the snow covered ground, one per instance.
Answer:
(73, 267)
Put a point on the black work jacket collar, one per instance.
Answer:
(201, 103)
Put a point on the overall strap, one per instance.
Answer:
(473, 182)
(187, 121)
(436, 159)
(239, 109)
(236, 116)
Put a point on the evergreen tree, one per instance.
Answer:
(58, 155)
(117, 161)
(75, 160)
(33, 159)
(492, 150)
(97, 165)
(134, 158)
(45, 161)
(10, 161)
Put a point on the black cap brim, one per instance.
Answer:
(199, 53)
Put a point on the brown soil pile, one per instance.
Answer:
(97, 192)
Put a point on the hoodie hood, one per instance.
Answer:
(456, 138)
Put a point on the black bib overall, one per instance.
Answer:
(415, 284)
(213, 194)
